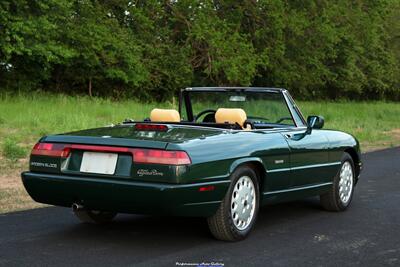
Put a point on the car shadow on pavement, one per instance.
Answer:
(146, 228)
(59, 225)
(56, 231)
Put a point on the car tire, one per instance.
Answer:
(94, 217)
(339, 197)
(238, 210)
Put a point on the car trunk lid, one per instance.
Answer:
(120, 140)
(129, 136)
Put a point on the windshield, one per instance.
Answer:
(262, 107)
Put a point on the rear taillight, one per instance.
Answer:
(156, 156)
(139, 155)
(52, 150)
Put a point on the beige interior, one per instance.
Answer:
(165, 115)
(231, 115)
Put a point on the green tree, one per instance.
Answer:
(149, 49)
(29, 31)
(106, 57)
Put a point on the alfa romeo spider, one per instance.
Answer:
(222, 155)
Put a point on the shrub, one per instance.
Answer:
(12, 150)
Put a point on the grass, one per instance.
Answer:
(24, 119)
(11, 150)
(375, 124)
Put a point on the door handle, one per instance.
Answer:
(288, 136)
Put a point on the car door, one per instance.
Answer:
(308, 157)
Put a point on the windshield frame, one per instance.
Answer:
(184, 98)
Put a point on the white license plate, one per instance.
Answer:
(101, 163)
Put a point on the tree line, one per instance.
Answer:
(149, 49)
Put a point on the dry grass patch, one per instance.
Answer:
(389, 139)
(13, 196)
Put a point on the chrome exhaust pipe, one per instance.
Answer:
(77, 207)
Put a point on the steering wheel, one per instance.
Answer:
(201, 113)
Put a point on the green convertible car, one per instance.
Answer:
(226, 152)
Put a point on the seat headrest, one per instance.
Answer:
(231, 115)
(165, 115)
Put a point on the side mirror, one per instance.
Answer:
(314, 122)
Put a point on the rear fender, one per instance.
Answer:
(258, 166)
(241, 161)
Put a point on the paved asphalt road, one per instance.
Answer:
(292, 234)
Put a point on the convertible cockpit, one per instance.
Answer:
(233, 108)
(226, 116)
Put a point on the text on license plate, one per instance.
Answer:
(101, 163)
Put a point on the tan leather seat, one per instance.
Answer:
(231, 115)
(165, 115)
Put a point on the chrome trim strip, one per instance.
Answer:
(316, 165)
(217, 178)
(202, 203)
(279, 170)
(202, 183)
(305, 167)
(297, 189)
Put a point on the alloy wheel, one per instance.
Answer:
(243, 202)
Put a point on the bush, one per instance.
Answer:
(12, 151)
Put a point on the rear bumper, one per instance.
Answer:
(125, 196)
